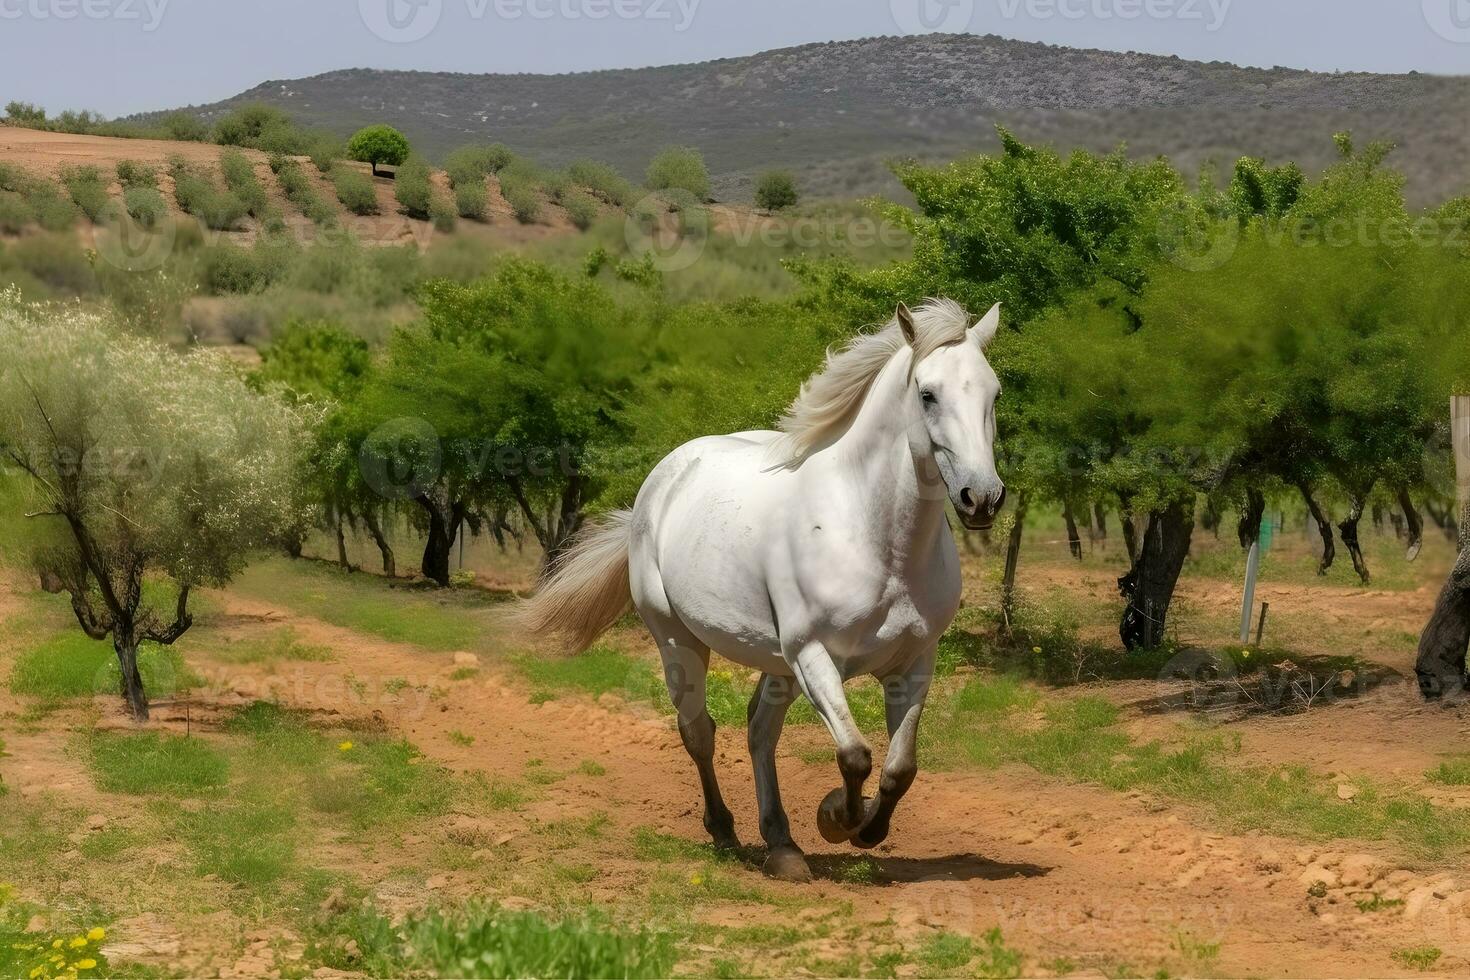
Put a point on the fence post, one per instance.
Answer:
(1248, 603)
(1460, 436)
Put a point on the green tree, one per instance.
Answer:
(144, 466)
(378, 145)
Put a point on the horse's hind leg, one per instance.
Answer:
(768, 706)
(686, 662)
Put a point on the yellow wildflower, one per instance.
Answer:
(56, 944)
(86, 964)
(36, 972)
(345, 747)
(1036, 649)
(696, 879)
(78, 942)
(97, 934)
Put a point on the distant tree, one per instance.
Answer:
(775, 191)
(24, 114)
(680, 168)
(151, 473)
(378, 145)
(184, 126)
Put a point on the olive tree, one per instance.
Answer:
(146, 466)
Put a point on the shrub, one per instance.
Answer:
(581, 208)
(55, 260)
(473, 163)
(185, 127)
(197, 195)
(54, 211)
(131, 173)
(413, 188)
(15, 212)
(239, 174)
(471, 199)
(775, 190)
(299, 191)
(146, 205)
(248, 124)
(355, 190)
(231, 269)
(87, 190)
(603, 181)
(441, 213)
(521, 195)
(378, 145)
(324, 152)
(13, 178)
(680, 168)
(24, 114)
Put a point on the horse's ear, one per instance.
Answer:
(984, 331)
(905, 323)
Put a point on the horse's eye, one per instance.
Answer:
(929, 398)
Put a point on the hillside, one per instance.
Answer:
(835, 112)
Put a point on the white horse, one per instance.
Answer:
(813, 555)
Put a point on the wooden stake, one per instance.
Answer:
(1248, 603)
(1261, 624)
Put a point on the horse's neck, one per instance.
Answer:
(887, 446)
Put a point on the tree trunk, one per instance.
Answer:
(132, 680)
(1324, 528)
(444, 521)
(1441, 663)
(1074, 540)
(1348, 528)
(1211, 517)
(1149, 585)
(375, 528)
(1013, 558)
(1130, 538)
(342, 548)
(1413, 523)
(1251, 514)
(1099, 521)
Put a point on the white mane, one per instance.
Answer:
(830, 399)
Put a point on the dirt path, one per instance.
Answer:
(1065, 870)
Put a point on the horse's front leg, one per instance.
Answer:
(841, 813)
(903, 695)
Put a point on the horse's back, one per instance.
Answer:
(700, 528)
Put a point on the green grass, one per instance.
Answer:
(150, 763)
(1418, 957)
(281, 645)
(1451, 772)
(995, 721)
(485, 941)
(249, 843)
(460, 620)
(72, 665)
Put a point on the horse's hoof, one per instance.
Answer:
(832, 818)
(871, 832)
(787, 864)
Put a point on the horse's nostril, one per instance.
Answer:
(968, 499)
(1001, 500)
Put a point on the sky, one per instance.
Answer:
(124, 56)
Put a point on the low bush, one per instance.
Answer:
(471, 199)
(523, 199)
(54, 260)
(88, 190)
(15, 212)
(300, 191)
(441, 212)
(325, 151)
(581, 207)
(680, 168)
(145, 205)
(603, 181)
(355, 190)
(473, 163)
(240, 179)
(197, 195)
(185, 127)
(776, 191)
(414, 188)
(230, 269)
(131, 173)
(54, 211)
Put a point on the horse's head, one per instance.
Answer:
(956, 389)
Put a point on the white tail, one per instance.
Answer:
(587, 589)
